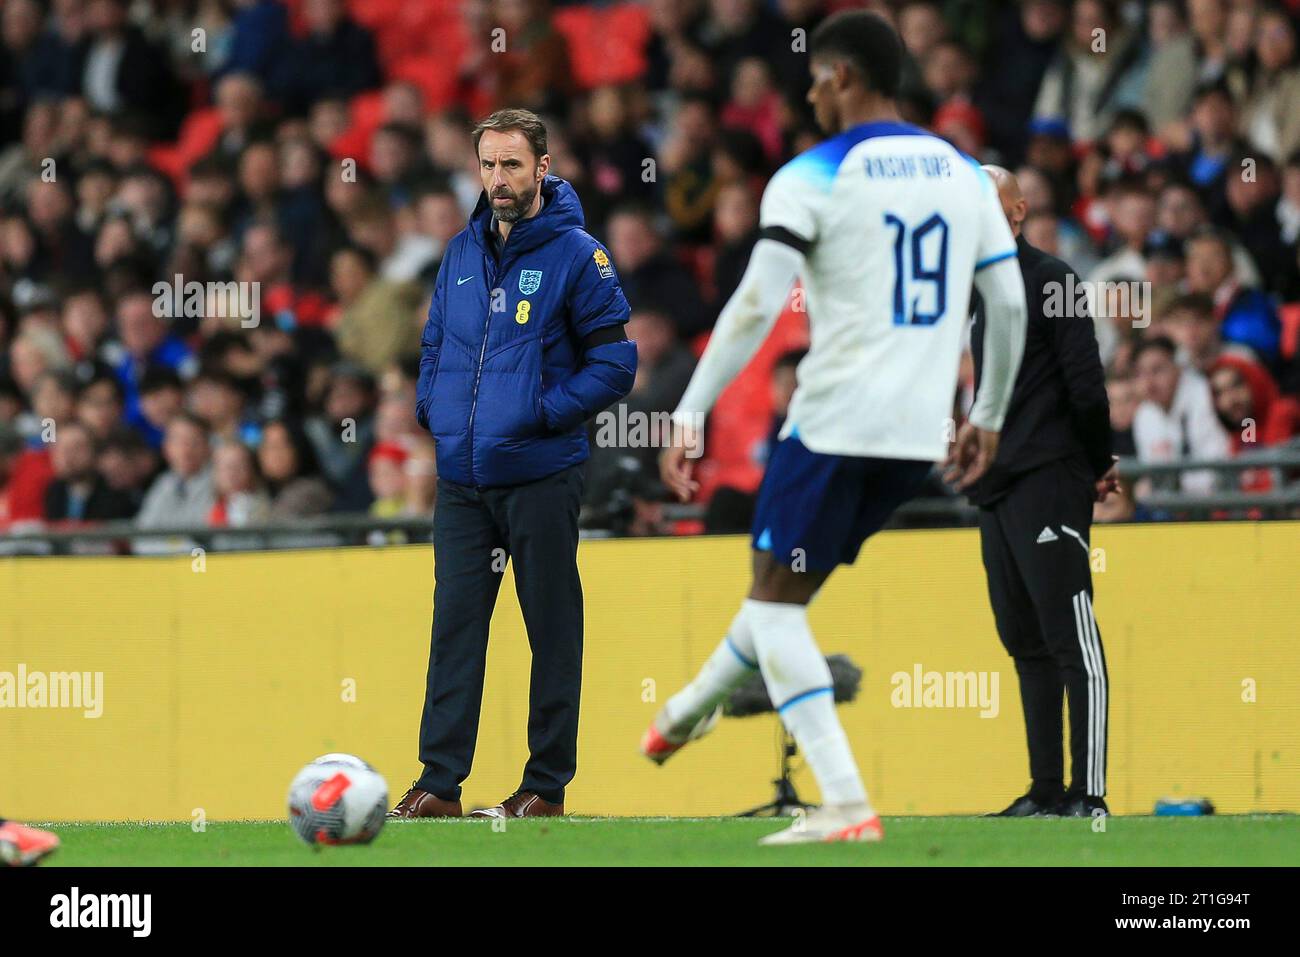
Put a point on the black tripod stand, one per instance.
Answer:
(786, 801)
(752, 698)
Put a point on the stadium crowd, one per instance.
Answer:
(160, 157)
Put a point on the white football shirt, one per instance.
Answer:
(897, 222)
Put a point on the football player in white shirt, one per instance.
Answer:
(887, 227)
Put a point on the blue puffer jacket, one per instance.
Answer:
(505, 385)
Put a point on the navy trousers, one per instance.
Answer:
(535, 526)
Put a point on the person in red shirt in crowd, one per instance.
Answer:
(1253, 411)
(24, 474)
(755, 106)
(267, 259)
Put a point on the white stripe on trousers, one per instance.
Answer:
(1085, 626)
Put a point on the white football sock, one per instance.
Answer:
(799, 684)
(731, 663)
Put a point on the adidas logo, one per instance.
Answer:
(1046, 535)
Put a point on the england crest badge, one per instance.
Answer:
(530, 280)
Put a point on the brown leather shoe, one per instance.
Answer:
(521, 804)
(417, 803)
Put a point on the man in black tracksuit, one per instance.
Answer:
(1054, 460)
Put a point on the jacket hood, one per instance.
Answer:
(561, 212)
(1263, 391)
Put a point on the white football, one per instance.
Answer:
(338, 799)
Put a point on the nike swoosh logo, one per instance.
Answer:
(462, 281)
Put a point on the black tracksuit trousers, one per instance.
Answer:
(474, 530)
(1034, 541)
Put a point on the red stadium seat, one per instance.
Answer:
(431, 73)
(199, 134)
(742, 417)
(606, 45)
(1289, 314)
(367, 114)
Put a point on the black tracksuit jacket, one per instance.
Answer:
(1059, 408)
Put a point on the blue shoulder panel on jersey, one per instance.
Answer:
(819, 164)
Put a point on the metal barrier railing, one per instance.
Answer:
(124, 538)
(1279, 502)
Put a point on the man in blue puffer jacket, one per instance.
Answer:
(524, 343)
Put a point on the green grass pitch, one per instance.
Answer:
(936, 841)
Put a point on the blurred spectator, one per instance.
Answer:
(343, 434)
(379, 321)
(1166, 263)
(1249, 406)
(38, 63)
(78, 493)
(1024, 42)
(664, 364)
(1204, 155)
(686, 167)
(34, 352)
(784, 380)
(421, 478)
(1180, 214)
(531, 71)
(649, 273)
(268, 260)
(217, 398)
(184, 494)
(401, 254)
(627, 436)
(259, 33)
(1132, 215)
(240, 500)
(240, 105)
(1270, 92)
(1288, 205)
(735, 223)
(395, 160)
(335, 58)
(147, 343)
(387, 470)
(23, 160)
(54, 399)
(100, 406)
(614, 156)
(755, 106)
(128, 465)
(1099, 69)
(1252, 216)
(25, 473)
(1176, 418)
(85, 325)
(438, 218)
(161, 397)
(1168, 93)
(1246, 316)
(124, 71)
(1122, 393)
(1191, 323)
(288, 465)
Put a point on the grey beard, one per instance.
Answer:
(515, 212)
